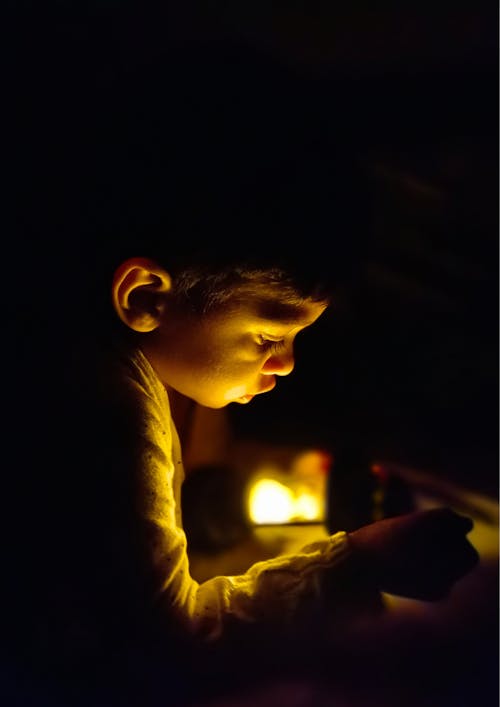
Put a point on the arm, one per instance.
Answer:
(419, 555)
(274, 591)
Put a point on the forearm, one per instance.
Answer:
(281, 591)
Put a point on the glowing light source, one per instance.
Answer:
(270, 502)
(290, 493)
(307, 507)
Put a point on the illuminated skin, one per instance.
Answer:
(228, 356)
(235, 353)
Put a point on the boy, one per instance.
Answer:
(119, 578)
(195, 304)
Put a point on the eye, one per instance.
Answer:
(273, 345)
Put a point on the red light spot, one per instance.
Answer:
(379, 471)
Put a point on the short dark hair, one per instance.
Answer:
(211, 161)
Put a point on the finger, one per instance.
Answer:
(459, 560)
(465, 523)
(456, 521)
(470, 557)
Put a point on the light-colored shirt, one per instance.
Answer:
(276, 589)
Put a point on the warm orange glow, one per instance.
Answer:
(292, 493)
(308, 507)
(283, 501)
(270, 502)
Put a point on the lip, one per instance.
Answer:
(267, 389)
(244, 399)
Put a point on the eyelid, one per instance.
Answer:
(273, 345)
(266, 339)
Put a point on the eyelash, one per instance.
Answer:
(270, 345)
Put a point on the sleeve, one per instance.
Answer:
(272, 591)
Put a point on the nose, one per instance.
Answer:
(279, 364)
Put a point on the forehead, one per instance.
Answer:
(273, 313)
(283, 313)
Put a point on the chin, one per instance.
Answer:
(213, 405)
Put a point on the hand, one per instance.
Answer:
(419, 555)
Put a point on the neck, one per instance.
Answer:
(182, 409)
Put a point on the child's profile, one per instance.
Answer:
(203, 258)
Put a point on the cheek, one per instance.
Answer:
(222, 362)
(230, 357)
(232, 371)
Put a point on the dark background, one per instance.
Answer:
(405, 365)
(406, 362)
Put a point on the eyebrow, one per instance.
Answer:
(275, 310)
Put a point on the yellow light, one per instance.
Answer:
(307, 507)
(270, 502)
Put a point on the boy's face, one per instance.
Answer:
(226, 357)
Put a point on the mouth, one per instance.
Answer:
(244, 399)
(268, 388)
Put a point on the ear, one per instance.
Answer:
(138, 290)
